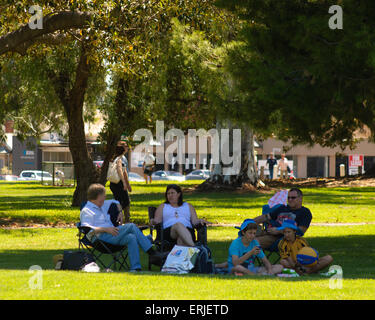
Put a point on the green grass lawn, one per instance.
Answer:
(352, 247)
(29, 203)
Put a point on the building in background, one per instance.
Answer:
(317, 161)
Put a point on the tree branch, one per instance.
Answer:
(24, 37)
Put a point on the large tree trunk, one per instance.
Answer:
(247, 174)
(115, 126)
(72, 100)
(83, 165)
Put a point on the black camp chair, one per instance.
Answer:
(164, 246)
(99, 249)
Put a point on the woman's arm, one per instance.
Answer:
(119, 170)
(194, 217)
(126, 179)
(158, 218)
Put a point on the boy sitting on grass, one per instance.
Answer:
(289, 247)
(243, 251)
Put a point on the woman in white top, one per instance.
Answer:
(178, 217)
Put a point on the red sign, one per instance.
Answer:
(356, 160)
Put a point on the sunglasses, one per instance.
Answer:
(292, 198)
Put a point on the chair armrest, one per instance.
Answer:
(158, 226)
(201, 233)
(199, 226)
(83, 229)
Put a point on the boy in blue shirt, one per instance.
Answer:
(243, 251)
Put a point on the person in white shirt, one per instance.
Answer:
(95, 215)
(178, 217)
(148, 166)
(283, 166)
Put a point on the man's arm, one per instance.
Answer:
(111, 230)
(263, 218)
(87, 220)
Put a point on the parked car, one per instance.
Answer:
(36, 175)
(135, 177)
(8, 177)
(198, 175)
(167, 176)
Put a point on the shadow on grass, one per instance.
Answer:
(354, 254)
(34, 202)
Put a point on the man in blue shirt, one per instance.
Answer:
(293, 211)
(95, 215)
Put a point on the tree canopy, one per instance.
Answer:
(300, 79)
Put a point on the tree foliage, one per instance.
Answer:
(298, 78)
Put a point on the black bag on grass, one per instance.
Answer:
(203, 262)
(76, 260)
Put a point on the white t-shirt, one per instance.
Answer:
(173, 215)
(149, 159)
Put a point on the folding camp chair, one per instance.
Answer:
(273, 249)
(99, 248)
(164, 246)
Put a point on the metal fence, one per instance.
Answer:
(62, 174)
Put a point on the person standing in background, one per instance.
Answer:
(148, 166)
(283, 166)
(271, 161)
(123, 195)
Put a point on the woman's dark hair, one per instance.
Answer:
(118, 152)
(178, 190)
